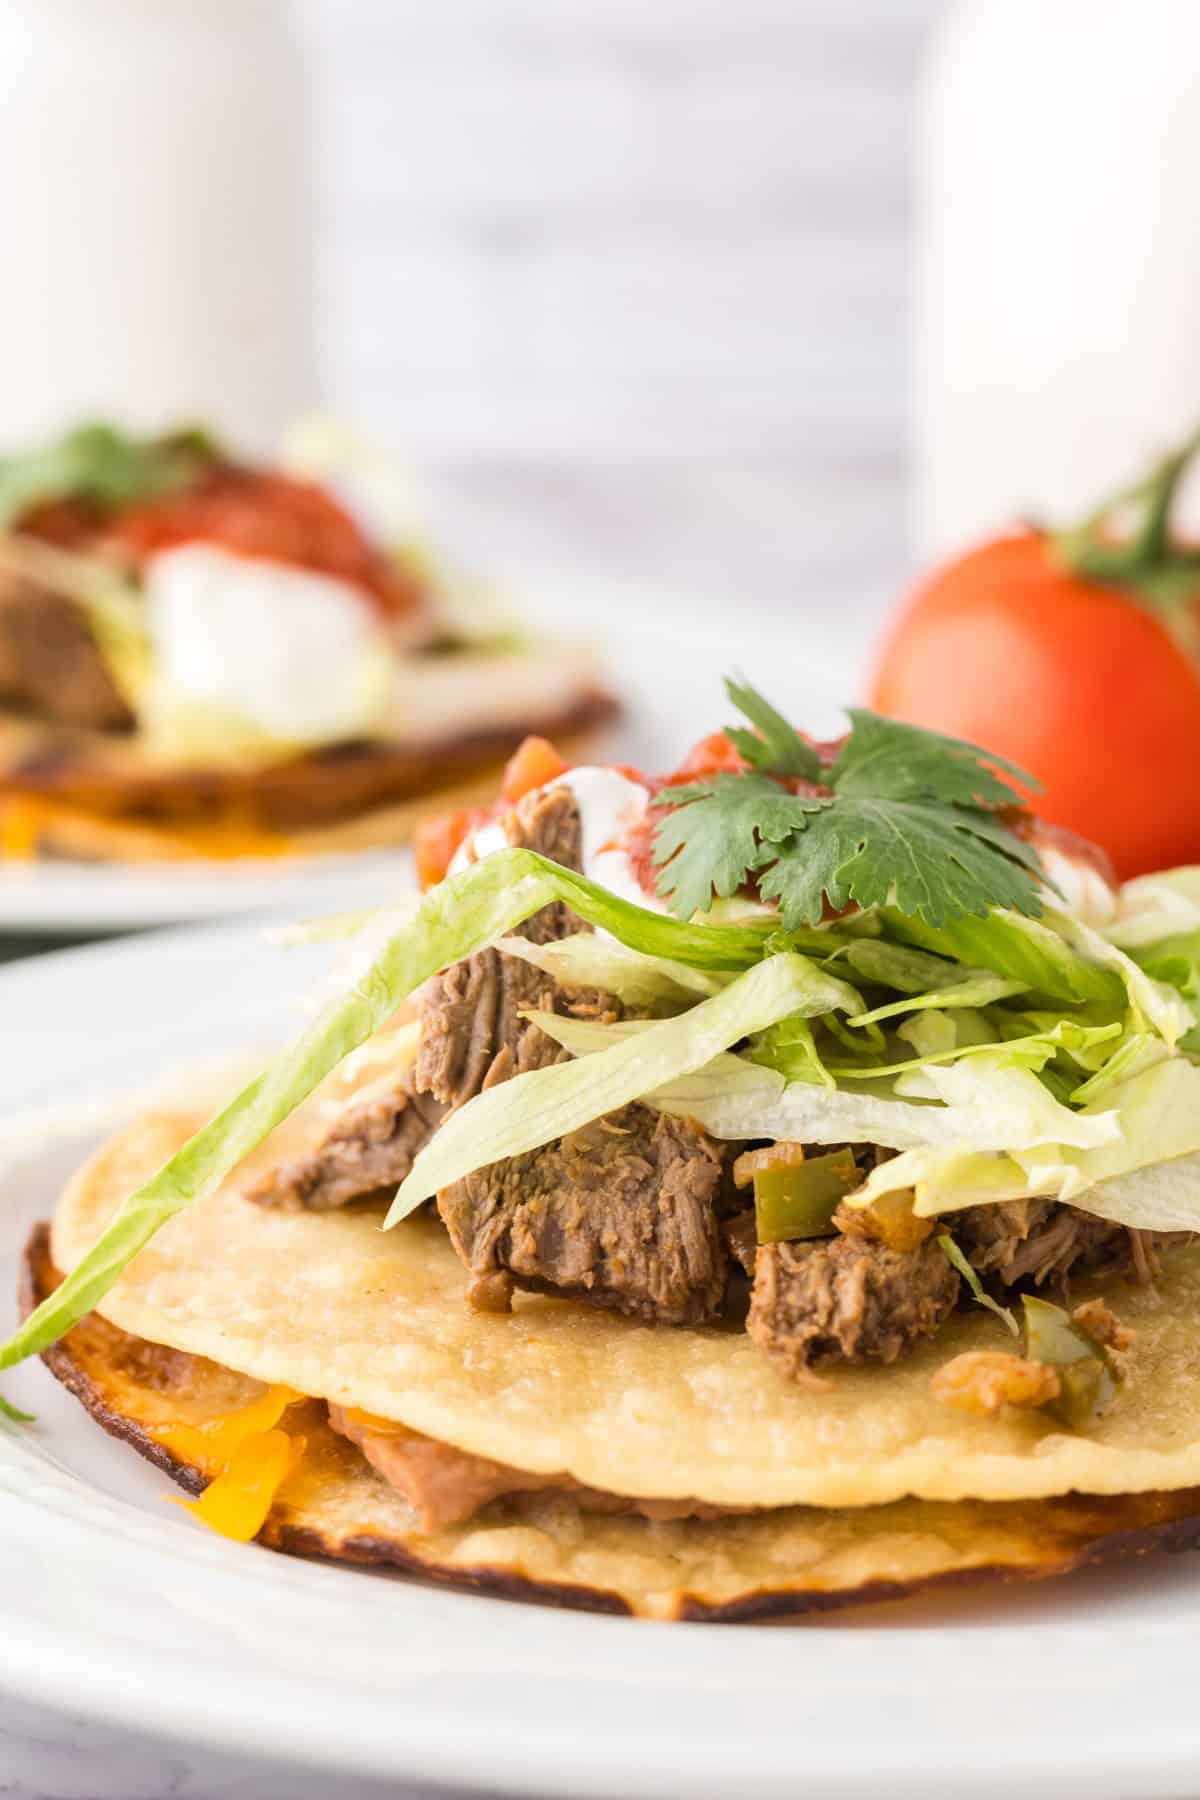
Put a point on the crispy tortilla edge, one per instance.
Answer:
(1175, 1533)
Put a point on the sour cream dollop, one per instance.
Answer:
(288, 654)
(1083, 891)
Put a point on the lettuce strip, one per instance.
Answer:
(546, 1104)
(1150, 1001)
(790, 1049)
(453, 920)
(1032, 1052)
(1030, 951)
(592, 960)
(1153, 907)
(991, 1084)
(898, 966)
(1147, 1176)
(975, 989)
(732, 1097)
(958, 1261)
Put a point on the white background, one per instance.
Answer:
(629, 280)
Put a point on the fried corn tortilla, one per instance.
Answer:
(102, 797)
(334, 1307)
(791, 1561)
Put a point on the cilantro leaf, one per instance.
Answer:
(892, 761)
(926, 859)
(721, 831)
(773, 744)
(105, 465)
(908, 818)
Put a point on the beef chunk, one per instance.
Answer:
(621, 1213)
(51, 663)
(372, 1146)
(845, 1299)
(471, 1031)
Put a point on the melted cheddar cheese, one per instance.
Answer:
(212, 1444)
(247, 1457)
(25, 819)
(237, 1502)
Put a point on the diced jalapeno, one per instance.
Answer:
(1086, 1389)
(800, 1202)
(1086, 1383)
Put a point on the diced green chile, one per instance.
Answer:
(1087, 1388)
(800, 1201)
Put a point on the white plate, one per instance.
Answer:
(666, 658)
(114, 1605)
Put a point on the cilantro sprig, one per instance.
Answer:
(902, 816)
(105, 466)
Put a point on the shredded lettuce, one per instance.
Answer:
(1175, 961)
(1154, 1126)
(1030, 951)
(791, 1050)
(975, 989)
(993, 1085)
(593, 960)
(732, 1098)
(1154, 907)
(897, 966)
(1032, 1052)
(546, 1104)
(1149, 1000)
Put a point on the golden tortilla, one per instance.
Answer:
(99, 796)
(331, 1305)
(787, 1562)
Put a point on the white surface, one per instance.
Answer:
(118, 1609)
(62, 898)
(1057, 258)
(667, 656)
(629, 283)
(156, 254)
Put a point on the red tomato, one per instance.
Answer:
(265, 515)
(532, 764)
(436, 840)
(713, 755)
(1074, 680)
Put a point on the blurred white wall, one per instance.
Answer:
(630, 281)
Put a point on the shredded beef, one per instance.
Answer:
(740, 1235)
(621, 1213)
(471, 1030)
(445, 1486)
(50, 661)
(1045, 1241)
(372, 1146)
(845, 1299)
(471, 1034)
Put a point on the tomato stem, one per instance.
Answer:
(1148, 562)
